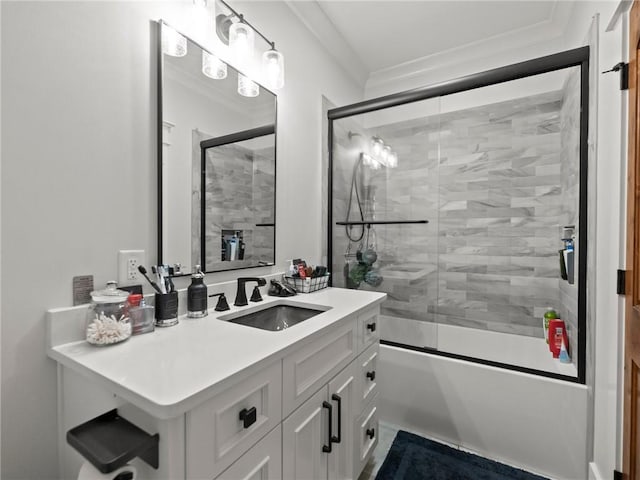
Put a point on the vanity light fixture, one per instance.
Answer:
(234, 30)
(247, 87)
(381, 154)
(213, 67)
(173, 43)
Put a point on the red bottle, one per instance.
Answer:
(557, 333)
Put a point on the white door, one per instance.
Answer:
(305, 439)
(342, 395)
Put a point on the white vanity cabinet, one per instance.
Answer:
(235, 402)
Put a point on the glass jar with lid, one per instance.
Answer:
(107, 319)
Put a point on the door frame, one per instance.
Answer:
(632, 283)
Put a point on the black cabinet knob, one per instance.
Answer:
(371, 375)
(371, 432)
(371, 326)
(248, 416)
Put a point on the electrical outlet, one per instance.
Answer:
(128, 263)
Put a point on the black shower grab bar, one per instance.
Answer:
(382, 222)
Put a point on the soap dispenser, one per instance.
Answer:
(197, 295)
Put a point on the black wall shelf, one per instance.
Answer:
(110, 442)
(383, 222)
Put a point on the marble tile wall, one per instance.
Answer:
(490, 180)
(239, 191)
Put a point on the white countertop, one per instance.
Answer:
(170, 371)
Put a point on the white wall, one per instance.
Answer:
(78, 178)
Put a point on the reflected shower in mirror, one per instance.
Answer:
(217, 163)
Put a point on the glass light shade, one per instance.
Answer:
(384, 155)
(376, 146)
(213, 67)
(173, 43)
(241, 40)
(247, 87)
(392, 160)
(369, 161)
(273, 68)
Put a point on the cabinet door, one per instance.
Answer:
(342, 394)
(304, 434)
(314, 364)
(262, 462)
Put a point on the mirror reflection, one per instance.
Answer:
(218, 158)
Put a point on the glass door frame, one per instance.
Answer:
(578, 57)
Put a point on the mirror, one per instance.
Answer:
(216, 169)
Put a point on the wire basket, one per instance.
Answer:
(308, 285)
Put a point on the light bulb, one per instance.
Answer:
(213, 67)
(376, 146)
(273, 68)
(173, 43)
(384, 155)
(247, 87)
(241, 40)
(392, 160)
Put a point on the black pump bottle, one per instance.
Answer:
(197, 295)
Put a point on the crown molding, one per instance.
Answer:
(519, 39)
(313, 17)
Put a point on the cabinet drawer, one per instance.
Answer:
(366, 435)
(223, 428)
(367, 381)
(261, 462)
(368, 328)
(311, 366)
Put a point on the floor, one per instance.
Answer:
(387, 433)
(385, 439)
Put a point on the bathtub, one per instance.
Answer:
(528, 421)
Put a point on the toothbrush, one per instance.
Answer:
(143, 271)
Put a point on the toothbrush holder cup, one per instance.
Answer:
(166, 309)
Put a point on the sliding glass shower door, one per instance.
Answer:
(468, 210)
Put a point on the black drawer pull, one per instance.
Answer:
(338, 438)
(248, 417)
(371, 375)
(371, 432)
(327, 405)
(371, 326)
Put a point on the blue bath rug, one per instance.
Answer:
(415, 458)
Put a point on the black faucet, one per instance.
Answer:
(241, 294)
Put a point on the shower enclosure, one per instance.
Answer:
(465, 202)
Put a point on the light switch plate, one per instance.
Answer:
(128, 263)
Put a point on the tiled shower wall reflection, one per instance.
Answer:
(240, 189)
(492, 183)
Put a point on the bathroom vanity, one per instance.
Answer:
(232, 401)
